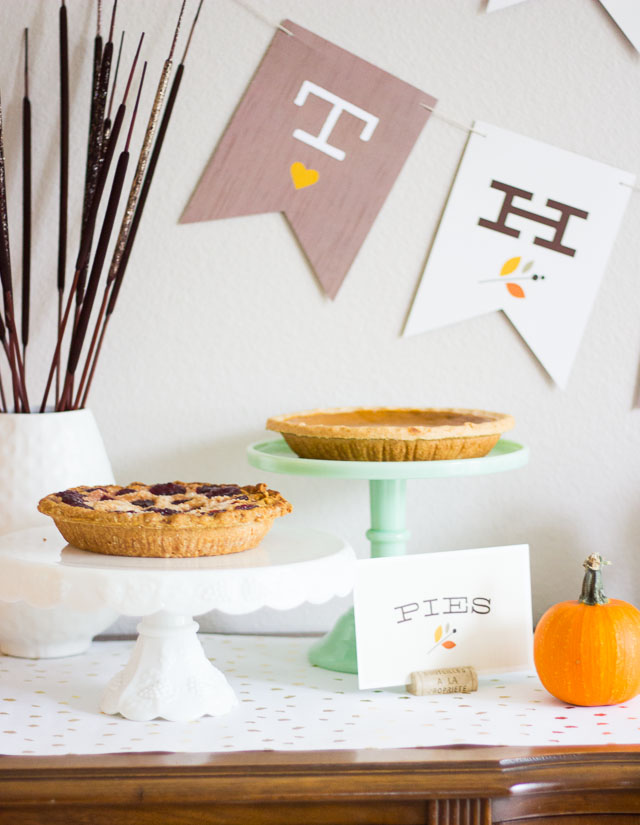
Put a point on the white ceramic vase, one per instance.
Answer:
(41, 454)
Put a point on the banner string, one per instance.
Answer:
(262, 18)
(451, 122)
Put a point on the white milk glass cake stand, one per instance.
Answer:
(168, 674)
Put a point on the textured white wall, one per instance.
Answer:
(221, 325)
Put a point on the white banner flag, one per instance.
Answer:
(528, 229)
(495, 5)
(626, 14)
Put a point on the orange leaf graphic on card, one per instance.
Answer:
(515, 290)
(301, 176)
(510, 266)
(441, 637)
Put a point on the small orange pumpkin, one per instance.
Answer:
(587, 652)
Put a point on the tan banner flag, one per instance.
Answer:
(320, 135)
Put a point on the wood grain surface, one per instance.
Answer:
(439, 786)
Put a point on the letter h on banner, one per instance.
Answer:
(511, 192)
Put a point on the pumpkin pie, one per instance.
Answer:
(391, 433)
(174, 519)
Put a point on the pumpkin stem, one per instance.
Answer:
(592, 592)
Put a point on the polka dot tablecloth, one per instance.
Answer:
(51, 706)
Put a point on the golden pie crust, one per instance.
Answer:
(173, 520)
(391, 433)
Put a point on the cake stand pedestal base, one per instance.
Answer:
(337, 649)
(168, 675)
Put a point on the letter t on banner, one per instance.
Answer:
(320, 135)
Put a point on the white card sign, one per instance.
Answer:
(437, 610)
(528, 229)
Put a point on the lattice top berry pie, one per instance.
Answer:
(175, 519)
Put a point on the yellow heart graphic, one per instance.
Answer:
(301, 176)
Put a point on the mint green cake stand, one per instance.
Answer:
(388, 533)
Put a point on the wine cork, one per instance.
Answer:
(444, 680)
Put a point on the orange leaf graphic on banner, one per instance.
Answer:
(448, 645)
(515, 290)
(510, 266)
(438, 634)
(301, 176)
